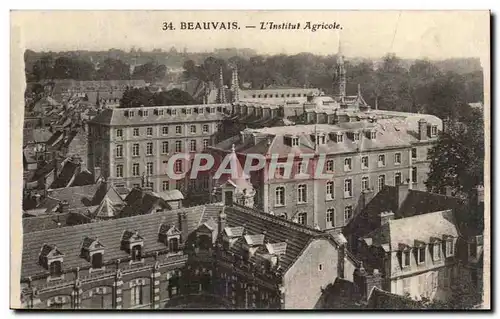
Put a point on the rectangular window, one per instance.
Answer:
(164, 130)
(189, 111)
(450, 248)
(348, 188)
(397, 159)
(280, 196)
(135, 150)
(205, 182)
(365, 183)
(205, 128)
(149, 148)
(119, 170)
(136, 132)
(381, 160)
(295, 141)
(178, 166)
(414, 174)
(192, 145)
(178, 129)
(347, 164)
(136, 295)
(347, 213)
(119, 150)
(330, 218)
(421, 255)
(436, 251)
(165, 185)
(205, 143)
(434, 130)
(178, 146)
(340, 138)
(397, 178)
(164, 147)
(381, 182)
(192, 129)
(330, 190)
(149, 131)
(302, 193)
(119, 132)
(135, 169)
(414, 153)
(364, 162)
(405, 258)
(302, 218)
(330, 165)
(149, 167)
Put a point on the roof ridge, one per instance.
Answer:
(278, 220)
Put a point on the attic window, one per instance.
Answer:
(434, 130)
(405, 261)
(295, 141)
(339, 137)
(421, 254)
(170, 236)
(450, 247)
(92, 250)
(373, 135)
(51, 259)
(132, 243)
(436, 251)
(355, 136)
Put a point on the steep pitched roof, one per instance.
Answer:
(109, 234)
(414, 203)
(422, 228)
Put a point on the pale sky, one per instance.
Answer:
(416, 34)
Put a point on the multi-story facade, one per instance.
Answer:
(360, 157)
(223, 256)
(422, 243)
(131, 146)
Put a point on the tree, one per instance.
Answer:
(457, 159)
(113, 69)
(138, 97)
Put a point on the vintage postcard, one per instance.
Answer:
(227, 160)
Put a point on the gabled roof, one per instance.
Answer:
(50, 251)
(234, 231)
(131, 236)
(89, 243)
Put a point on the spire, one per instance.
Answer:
(341, 73)
(222, 91)
(235, 85)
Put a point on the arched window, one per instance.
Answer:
(136, 253)
(55, 268)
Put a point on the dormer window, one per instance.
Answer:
(295, 141)
(339, 138)
(51, 259)
(355, 136)
(436, 250)
(434, 130)
(421, 254)
(372, 135)
(450, 247)
(93, 251)
(133, 243)
(170, 236)
(405, 258)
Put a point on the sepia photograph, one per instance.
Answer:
(250, 160)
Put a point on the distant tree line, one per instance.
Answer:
(137, 97)
(48, 67)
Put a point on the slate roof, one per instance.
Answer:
(40, 223)
(275, 229)
(414, 203)
(139, 201)
(270, 140)
(422, 228)
(116, 116)
(109, 234)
